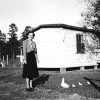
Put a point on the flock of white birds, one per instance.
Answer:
(65, 85)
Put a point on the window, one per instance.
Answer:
(80, 44)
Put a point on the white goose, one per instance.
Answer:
(88, 82)
(63, 84)
(73, 85)
(80, 83)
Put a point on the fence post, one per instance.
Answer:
(21, 57)
(3, 62)
(7, 59)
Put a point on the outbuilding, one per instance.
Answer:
(64, 46)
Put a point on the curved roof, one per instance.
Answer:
(64, 26)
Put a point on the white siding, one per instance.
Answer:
(57, 48)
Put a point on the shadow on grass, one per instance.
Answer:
(41, 80)
(93, 84)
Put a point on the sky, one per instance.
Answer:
(36, 12)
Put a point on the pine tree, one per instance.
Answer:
(13, 43)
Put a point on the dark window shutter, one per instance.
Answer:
(80, 44)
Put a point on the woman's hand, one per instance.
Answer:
(24, 62)
(38, 61)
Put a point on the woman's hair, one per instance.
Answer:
(28, 34)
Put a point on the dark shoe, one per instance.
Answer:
(29, 89)
(32, 88)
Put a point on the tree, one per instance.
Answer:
(12, 30)
(2, 36)
(24, 34)
(91, 15)
(27, 29)
(13, 42)
(2, 44)
(91, 19)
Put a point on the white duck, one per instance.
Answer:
(88, 82)
(63, 84)
(73, 85)
(80, 83)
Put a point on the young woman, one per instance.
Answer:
(30, 69)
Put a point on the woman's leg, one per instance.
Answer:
(27, 83)
(31, 84)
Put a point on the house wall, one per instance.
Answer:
(57, 48)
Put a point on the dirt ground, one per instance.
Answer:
(48, 86)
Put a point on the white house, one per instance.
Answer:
(63, 46)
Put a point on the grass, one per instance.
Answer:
(48, 86)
